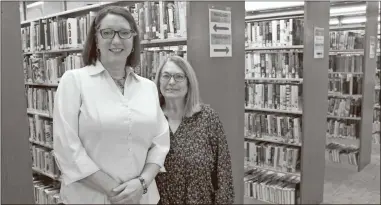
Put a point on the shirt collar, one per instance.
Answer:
(98, 68)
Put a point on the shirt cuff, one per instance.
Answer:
(82, 168)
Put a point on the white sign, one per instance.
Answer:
(318, 42)
(220, 33)
(372, 46)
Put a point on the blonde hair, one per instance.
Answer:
(192, 99)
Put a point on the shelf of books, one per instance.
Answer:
(347, 65)
(49, 52)
(345, 94)
(377, 108)
(278, 77)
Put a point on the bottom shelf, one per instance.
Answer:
(250, 200)
(263, 186)
(46, 191)
(39, 171)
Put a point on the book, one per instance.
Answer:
(43, 161)
(274, 33)
(45, 191)
(272, 187)
(266, 64)
(273, 156)
(346, 40)
(275, 127)
(340, 153)
(155, 20)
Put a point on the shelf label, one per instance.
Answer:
(372, 46)
(318, 42)
(220, 32)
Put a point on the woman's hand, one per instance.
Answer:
(130, 192)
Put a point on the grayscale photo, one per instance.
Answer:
(190, 102)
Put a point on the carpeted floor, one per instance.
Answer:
(344, 185)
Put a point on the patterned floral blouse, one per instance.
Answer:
(198, 164)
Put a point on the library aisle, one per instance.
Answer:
(346, 186)
(293, 155)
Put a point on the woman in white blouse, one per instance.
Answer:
(110, 134)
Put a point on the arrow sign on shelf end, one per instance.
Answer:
(226, 49)
(215, 27)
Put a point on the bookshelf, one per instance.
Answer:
(348, 138)
(284, 93)
(377, 108)
(369, 65)
(345, 94)
(47, 55)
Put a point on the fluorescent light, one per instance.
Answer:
(334, 21)
(257, 6)
(38, 3)
(348, 10)
(349, 20)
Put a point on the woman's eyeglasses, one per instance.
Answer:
(178, 77)
(108, 33)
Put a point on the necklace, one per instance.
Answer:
(120, 82)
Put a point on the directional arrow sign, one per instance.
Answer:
(215, 27)
(220, 32)
(226, 49)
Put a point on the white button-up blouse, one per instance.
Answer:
(95, 127)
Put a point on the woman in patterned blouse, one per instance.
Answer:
(198, 165)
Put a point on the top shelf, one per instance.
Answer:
(274, 48)
(299, 47)
(145, 43)
(349, 8)
(74, 11)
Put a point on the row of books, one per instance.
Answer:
(271, 187)
(50, 70)
(346, 40)
(376, 138)
(273, 156)
(346, 63)
(44, 161)
(284, 32)
(150, 60)
(273, 96)
(288, 32)
(41, 99)
(345, 84)
(377, 97)
(344, 107)
(376, 132)
(40, 130)
(156, 20)
(36, 70)
(274, 65)
(274, 127)
(340, 129)
(376, 126)
(376, 115)
(340, 153)
(56, 33)
(160, 19)
(45, 192)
